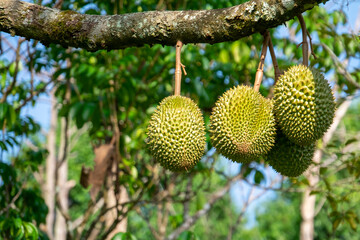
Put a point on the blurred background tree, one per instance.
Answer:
(96, 97)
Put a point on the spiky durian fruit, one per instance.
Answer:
(242, 124)
(288, 158)
(176, 134)
(304, 104)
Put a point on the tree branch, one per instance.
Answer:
(95, 32)
(340, 67)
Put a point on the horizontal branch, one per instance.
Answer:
(95, 32)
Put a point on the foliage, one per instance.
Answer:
(106, 95)
(22, 208)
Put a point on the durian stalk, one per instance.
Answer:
(260, 70)
(304, 43)
(274, 61)
(179, 45)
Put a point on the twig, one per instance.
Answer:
(178, 66)
(13, 200)
(34, 94)
(311, 45)
(239, 218)
(340, 67)
(152, 229)
(13, 83)
(187, 193)
(260, 72)
(188, 222)
(304, 43)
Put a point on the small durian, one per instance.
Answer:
(242, 125)
(288, 158)
(304, 104)
(176, 134)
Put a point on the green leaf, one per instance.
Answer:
(12, 69)
(124, 236)
(314, 192)
(224, 56)
(336, 223)
(31, 231)
(352, 222)
(3, 110)
(188, 235)
(11, 115)
(259, 177)
(351, 140)
(87, 111)
(332, 202)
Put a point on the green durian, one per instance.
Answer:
(304, 104)
(176, 134)
(242, 125)
(288, 158)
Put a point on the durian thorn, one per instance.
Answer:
(178, 66)
(274, 61)
(304, 43)
(260, 71)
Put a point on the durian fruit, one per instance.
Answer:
(176, 134)
(242, 125)
(304, 104)
(288, 158)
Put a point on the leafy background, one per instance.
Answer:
(88, 90)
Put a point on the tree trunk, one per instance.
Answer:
(307, 207)
(308, 202)
(51, 168)
(62, 186)
(112, 199)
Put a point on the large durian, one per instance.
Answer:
(304, 104)
(242, 124)
(176, 134)
(288, 158)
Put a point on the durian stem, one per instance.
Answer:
(274, 61)
(260, 70)
(178, 66)
(304, 43)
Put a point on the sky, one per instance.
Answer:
(239, 191)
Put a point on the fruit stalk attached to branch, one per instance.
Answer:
(274, 61)
(178, 66)
(304, 43)
(260, 70)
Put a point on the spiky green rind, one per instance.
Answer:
(176, 134)
(242, 125)
(288, 158)
(304, 104)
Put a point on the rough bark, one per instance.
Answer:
(51, 168)
(307, 207)
(94, 32)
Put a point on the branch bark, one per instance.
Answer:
(94, 32)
